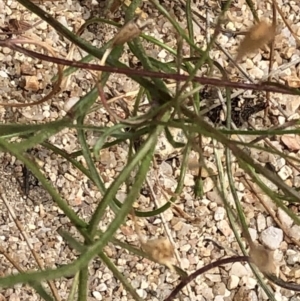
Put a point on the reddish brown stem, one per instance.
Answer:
(204, 269)
(265, 86)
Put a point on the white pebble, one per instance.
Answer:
(284, 218)
(97, 295)
(249, 282)
(185, 264)
(142, 293)
(281, 120)
(233, 282)
(144, 284)
(295, 232)
(102, 287)
(213, 277)
(230, 26)
(46, 114)
(162, 54)
(189, 180)
(219, 214)
(285, 172)
(208, 185)
(256, 73)
(70, 103)
(253, 234)
(261, 222)
(224, 228)
(249, 64)
(238, 270)
(272, 237)
(3, 74)
(207, 293)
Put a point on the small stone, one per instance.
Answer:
(253, 234)
(185, 248)
(249, 282)
(210, 170)
(6, 50)
(205, 252)
(292, 257)
(189, 180)
(230, 26)
(260, 222)
(177, 226)
(97, 295)
(295, 232)
(162, 54)
(292, 142)
(31, 83)
(297, 274)
(256, 72)
(253, 296)
(102, 287)
(142, 293)
(213, 277)
(214, 196)
(290, 252)
(233, 282)
(272, 237)
(219, 214)
(207, 293)
(185, 264)
(285, 172)
(280, 162)
(166, 169)
(224, 228)
(3, 74)
(208, 185)
(144, 284)
(249, 63)
(238, 270)
(284, 218)
(219, 289)
(219, 298)
(14, 297)
(169, 183)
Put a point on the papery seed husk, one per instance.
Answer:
(259, 35)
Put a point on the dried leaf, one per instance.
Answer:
(259, 35)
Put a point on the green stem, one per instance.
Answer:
(83, 283)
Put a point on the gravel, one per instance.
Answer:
(204, 217)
